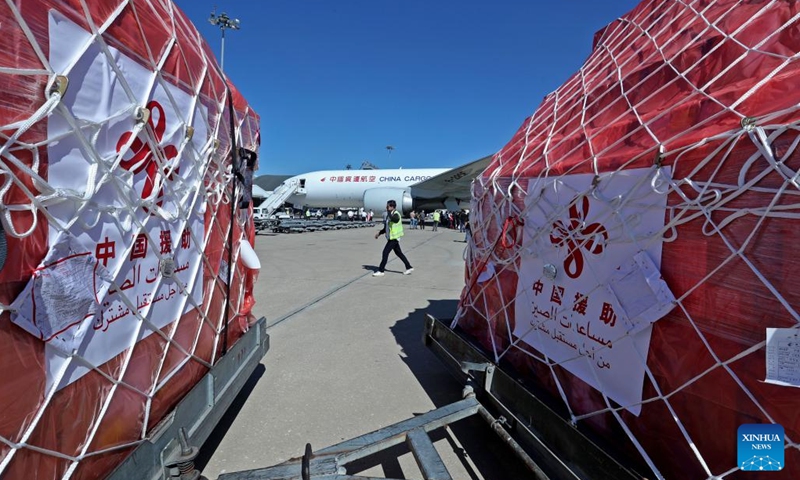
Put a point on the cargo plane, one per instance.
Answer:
(412, 189)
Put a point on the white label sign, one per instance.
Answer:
(589, 283)
(153, 274)
(783, 357)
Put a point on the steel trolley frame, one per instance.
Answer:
(547, 445)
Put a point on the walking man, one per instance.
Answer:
(393, 229)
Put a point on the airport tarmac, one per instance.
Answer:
(346, 355)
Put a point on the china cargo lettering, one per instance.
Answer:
(407, 178)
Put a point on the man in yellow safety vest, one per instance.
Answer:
(393, 229)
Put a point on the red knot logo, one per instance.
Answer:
(577, 236)
(143, 158)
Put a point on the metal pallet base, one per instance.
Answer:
(559, 448)
(199, 411)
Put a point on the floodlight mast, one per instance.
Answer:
(223, 21)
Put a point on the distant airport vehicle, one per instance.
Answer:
(260, 213)
(417, 188)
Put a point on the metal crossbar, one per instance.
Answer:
(330, 463)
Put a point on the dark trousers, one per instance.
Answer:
(393, 245)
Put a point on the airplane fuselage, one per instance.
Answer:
(346, 188)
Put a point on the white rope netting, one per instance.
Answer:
(673, 147)
(115, 194)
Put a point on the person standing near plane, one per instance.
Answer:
(436, 218)
(393, 229)
(421, 219)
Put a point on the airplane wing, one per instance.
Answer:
(451, 185)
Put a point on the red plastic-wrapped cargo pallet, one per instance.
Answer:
(632, 254)
(116, 179)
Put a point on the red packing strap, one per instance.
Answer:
(509, 235)
(504, 236)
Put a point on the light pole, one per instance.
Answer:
(389, 149)
(223, 22)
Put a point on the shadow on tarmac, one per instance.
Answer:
(374, 268)
(219, 432)
(491, 457)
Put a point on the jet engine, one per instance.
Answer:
(375, 199)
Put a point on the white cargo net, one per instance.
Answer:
(565, 258)
(125, 208)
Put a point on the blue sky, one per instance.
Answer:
(444, 81)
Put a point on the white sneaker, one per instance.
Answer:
(408, 272)
(378, 274)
